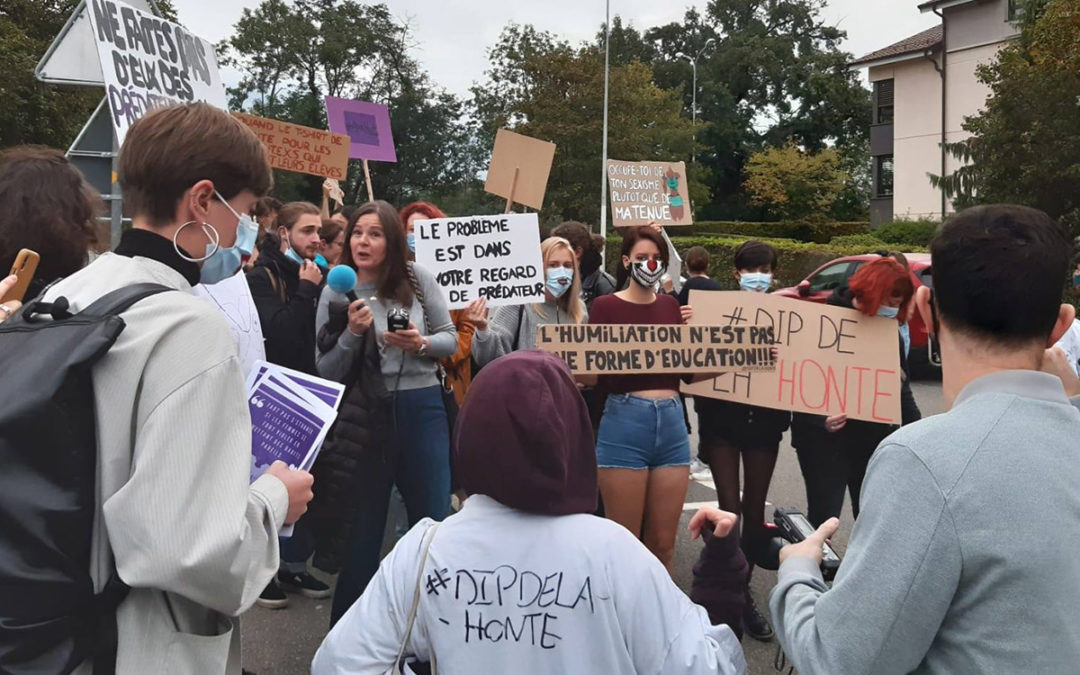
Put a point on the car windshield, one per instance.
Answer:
(830, 278)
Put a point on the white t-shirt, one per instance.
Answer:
(509, 592)
(1070, 344)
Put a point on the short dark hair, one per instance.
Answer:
(697, 260)
(48, 208)
(999, 272)
(576, 233)
(755, 253)
(171, 149)
(330, 230)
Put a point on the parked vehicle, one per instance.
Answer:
(820, 284)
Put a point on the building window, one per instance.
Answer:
(883, 176)
(1015, 10)
(883, 102)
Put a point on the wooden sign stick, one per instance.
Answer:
(513, 187)
(367, 181)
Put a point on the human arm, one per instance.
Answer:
(366, 640)
(442, 340)
(901, 571)
(336, 362)
(285, 325)
(498, 339)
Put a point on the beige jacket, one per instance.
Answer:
(195, 542)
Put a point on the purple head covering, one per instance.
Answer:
(524, 438)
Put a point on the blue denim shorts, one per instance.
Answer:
(642, 433)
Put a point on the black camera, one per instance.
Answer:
(791, 527)
(397, 318)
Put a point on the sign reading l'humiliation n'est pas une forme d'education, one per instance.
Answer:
(492, 257)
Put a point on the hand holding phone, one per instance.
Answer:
(25, 265)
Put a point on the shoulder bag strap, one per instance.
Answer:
(430, 535)
(521, 320)
(440, 372)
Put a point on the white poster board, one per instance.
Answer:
(232, 297)
(492, 257)
(149, 63)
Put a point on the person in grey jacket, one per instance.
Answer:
(957, 563)
(375, 247)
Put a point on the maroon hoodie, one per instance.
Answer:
(523, 437)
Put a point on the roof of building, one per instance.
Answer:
(933, 4)
(921, 42)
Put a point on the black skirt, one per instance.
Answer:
(744, 426)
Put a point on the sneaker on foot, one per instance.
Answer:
(304, 584)
(755, 624)
(700, 470)
(273, 597)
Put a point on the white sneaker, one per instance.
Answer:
(700, 470)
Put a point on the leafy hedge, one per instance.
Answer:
(797, 230)
(797, 259)
(907, 232)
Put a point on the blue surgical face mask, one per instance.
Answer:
(559, 280)
(321, 261)
(410, 239)
(905, 334)
(888, 312)
(220, 263)
(292, 255)
(755, 282)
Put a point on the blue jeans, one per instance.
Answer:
(296, 550)
(420, 466)
(642, 433)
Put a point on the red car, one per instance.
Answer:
(832, 275)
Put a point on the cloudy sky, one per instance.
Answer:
(455, 34)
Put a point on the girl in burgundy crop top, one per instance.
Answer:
(613, 309)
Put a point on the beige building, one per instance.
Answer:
(924, 86)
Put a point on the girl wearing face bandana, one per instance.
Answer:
(643, 449)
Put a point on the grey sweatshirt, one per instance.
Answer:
(402, 371)
(518, 323)
(963, 559)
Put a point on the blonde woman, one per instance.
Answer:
(514, 327)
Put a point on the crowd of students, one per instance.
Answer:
(946, 563)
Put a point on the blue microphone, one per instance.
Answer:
(342, 279)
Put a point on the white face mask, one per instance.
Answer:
(647, 273)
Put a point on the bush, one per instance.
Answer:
(859, 240)
(797, 230)
(796, 259)
(908, 232)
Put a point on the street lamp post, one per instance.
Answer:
(603, 163)
(693, 94)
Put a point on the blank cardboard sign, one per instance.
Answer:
(529, 158)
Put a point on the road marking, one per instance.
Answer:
(694, 506)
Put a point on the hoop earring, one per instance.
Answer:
(210, 233)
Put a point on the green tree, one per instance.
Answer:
(293, 54)
(793, 184)
(545, 88)
(1025, 144)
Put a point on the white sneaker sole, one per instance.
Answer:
(272, 604)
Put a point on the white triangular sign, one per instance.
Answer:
(73, 58)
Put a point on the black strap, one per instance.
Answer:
(121, 299)
(517, 333)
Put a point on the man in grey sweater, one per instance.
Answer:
(961, 560)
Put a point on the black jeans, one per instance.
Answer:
(833, 462)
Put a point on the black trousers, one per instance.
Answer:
(834, 462)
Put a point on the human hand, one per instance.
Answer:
(476, 313)
(309, 271)
(360, 317)
(811, 546)
(406, 340)
(687, 313)
(1055, 362)
(835, 422)
(667, 284)
(722, 522)
(654, 227)
(11, 306)
(298, 485)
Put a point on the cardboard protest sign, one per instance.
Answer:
(302, 149)
(598, 349)
(492, 257)
(149, 63)
(832, 360)
(519, 169)
(366, 124)
(644, 192)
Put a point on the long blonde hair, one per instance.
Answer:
(571, 301)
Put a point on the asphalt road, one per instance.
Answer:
(283, 642)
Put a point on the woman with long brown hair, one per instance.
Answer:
(389, 289)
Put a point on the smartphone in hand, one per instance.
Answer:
(25, 265)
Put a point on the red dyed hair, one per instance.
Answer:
(877, 281)
(426, 209)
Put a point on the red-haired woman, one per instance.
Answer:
(834, 451)
(459, 366)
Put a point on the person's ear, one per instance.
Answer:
(195, 204)
(1066, 316)
(737, 275)
(923, 298)
(626, 262)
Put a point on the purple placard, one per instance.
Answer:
(367, 124)
(279, 430)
